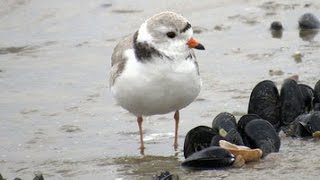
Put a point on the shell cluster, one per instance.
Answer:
(295, 111)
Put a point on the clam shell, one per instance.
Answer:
(197, 139)
(211, 157)
(264, 101)
(245, 152)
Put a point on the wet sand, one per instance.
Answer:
(57, 115)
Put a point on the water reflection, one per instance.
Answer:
(276, 34)
(308, 34)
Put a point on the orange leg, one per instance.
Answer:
(139, 119)
(176, 118)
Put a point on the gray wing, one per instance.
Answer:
(118, 58)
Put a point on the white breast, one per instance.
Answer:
(156, 87)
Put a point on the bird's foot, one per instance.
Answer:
(175, 146)
(142, 150)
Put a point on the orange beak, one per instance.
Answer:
(193, 43)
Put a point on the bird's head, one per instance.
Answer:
(169, 33)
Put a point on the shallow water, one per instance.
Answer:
(57, 115)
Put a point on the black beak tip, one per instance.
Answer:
(200, 47)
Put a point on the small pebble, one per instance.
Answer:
(297, 56)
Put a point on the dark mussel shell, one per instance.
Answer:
(314, 121)
(197, 139)
(299, 127)
(233, 136)
(316, 100)
(309, 26)
(305, 125)
(264, 101)
(225, 124)
(259, 133)
(292, 101)
(244, 120)
(276, 29)
(224, 121)
(215, 140)
(309, 21)
(276, 26)
(208, 158)
(307, 95)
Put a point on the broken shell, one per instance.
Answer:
(245, 152)
(238, 162)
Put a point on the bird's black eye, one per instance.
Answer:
(171, 35)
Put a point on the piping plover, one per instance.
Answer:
(154, 71)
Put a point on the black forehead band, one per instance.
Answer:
(188, 26)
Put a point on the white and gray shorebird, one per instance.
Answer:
(154, 71)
